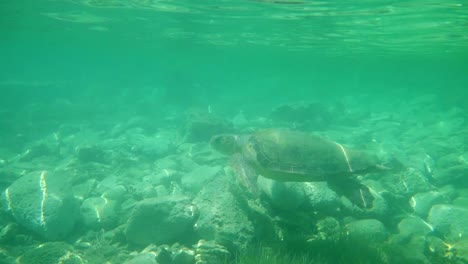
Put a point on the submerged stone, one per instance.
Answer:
(449, 220)
(321, 198)
(160, 220)
(366, 231)
(283, 195)
(43, 203)
(99, 212)
(222, 219)
(51, 252)
(422, 202)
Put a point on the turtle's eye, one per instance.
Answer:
(224, 144)
(216, 141)
(228, 143)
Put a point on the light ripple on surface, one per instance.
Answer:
(350, 26)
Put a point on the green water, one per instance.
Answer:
(264, 49)
(102, 62)
(232, 55)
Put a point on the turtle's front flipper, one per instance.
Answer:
(246, 175)
(358, 193)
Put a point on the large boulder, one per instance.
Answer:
(150, 147)
(51, 252)
(161, 220)
(43, 202)
(449, 220)
(422, 202)
(312, 115)
(209, 252)
(413, 226)
(321, 198)
(198, 177)
(100, 212)
(222, 219)
(283, 195)
(366, 231)
(199, 126)
(143, 258)
(454, 174)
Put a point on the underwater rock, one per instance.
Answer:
(321, 198)
(448, 251)
(45, 149)
(136, 145)
(410, 243)
(5, 258)
(175, 254)
(143, 258)
(366, 231)
(84, 188)
(160, 220)
(210, 252)
(43, 202)
(150, 191)
(161, 177)
(112, 187)
(8, 232)
(99, 212)
(303, 115)
(239, 121)
(200, 153)
(91, 154)
(414, 181)
(163, 253)
(221, 219)
(449, 220)
(460, 250)
(439, 250)
(136, 123)
(161, 190)
(170, 162)
(410, 250)
(452, 159)
(328, 229)
(116, 193)
(51, 252)
(8, 175)
(201, 126)
(422, 202)
(380, 208)
(411, 226)
(183, 256)
(194, 180)
(461, 199)
(149, 147)
(283, 195)
(454, 174)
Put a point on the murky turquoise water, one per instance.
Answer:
(267, 49)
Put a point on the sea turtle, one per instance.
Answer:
(286, 155)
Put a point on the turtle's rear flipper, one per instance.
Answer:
(362, 197)
(246, 175)
(358, 193)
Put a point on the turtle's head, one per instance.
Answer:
(226, 143)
